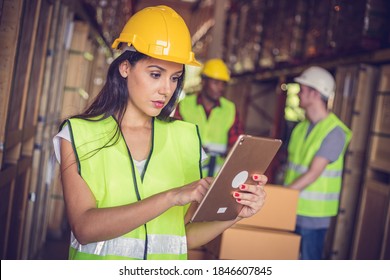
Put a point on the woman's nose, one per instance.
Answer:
(165, 87)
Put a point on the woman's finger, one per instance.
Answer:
(260, 178)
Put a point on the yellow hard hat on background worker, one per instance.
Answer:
(159, 32)
(216, 69)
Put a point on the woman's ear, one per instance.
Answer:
(124, 68)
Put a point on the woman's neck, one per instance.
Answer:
(136, 119)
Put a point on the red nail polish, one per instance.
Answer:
(243, 187)
(236, 194)
(238, 199)
(255, 177)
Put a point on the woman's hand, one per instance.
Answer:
(251, 196)
(193, 192)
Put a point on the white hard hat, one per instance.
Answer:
(319, 79)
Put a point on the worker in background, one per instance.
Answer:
(315, 160)
(216, 116)
(129, 172)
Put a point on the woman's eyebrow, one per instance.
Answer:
(159, 67)
(163, 69)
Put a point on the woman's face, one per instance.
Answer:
(151, 83)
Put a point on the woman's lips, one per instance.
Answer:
(158, 104)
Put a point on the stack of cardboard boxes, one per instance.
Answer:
(268, 235)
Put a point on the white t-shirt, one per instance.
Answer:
(65, 134)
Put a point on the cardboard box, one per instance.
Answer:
(279, 210)
(240, 243)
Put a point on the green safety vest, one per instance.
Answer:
(174, 161)
(321, 198)
(214, 130)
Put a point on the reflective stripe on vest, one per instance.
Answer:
(321, 198)
(302, 169)
(215, 148)
(214, 129)
(134, 248)
(174, 161)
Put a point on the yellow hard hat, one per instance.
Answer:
(159, 32)
(216, 69)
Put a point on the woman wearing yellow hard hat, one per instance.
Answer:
(129, 172)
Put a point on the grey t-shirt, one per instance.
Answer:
(331, 148)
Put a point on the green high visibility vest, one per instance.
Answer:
(174, 160)
(321, 198)
(214, 130)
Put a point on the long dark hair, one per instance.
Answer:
(113, 97)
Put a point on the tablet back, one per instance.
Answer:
(248, 156)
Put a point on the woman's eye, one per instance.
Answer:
(175, 79)
(155, 75)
